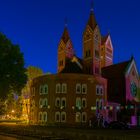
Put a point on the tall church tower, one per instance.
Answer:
(65, 50)
(91, 46)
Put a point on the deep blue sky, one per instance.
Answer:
(37, 25)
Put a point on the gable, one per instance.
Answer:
(109, 42)
(132, 69)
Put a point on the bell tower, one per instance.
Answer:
(91, 46)
(65, 50)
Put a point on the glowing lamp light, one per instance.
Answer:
(93, 108)
(49, 107)
(105, 107)
(111, 108)
(13, 111)
(132, 107)
(126, 107)
(118, 108)
(73, 107)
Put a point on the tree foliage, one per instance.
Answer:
(12, 72)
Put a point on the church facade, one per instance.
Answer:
(79, 93)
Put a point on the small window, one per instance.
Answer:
(57, 102)
(58, 88)
(40, 116)
(46, 89)
(78, 117)
(63, 117)
(45, 102)
(57, 116)
(45, 116)
(84, 103)
(84, 88)
(64, 88)
(101, 104)
(40, 103)
(78, 103)
(78, 88)
(97, 90)
(84, 117)
(101, 90)
(41, 90)
(63, 102)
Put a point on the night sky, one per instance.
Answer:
(37, 26)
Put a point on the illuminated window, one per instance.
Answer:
(101, 90)
(63, 116)
(57, 102)
(78, 88)
(45, 102)
(41, 90)
(84, 88)
(78, 103)
(58, 88)
(40, 103)
(78, 117)
(64, 88)
(84, 117)
(101, 104)
(57, 116)
(45, 89)
(45, 116)
(97, 89)
(84, 102)
(63, 102)
(40, 116)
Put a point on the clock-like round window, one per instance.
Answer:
(133, 89)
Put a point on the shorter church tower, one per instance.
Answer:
(65, 50)
(106, 51)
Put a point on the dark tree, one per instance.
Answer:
(12, 72)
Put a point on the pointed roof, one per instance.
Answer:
(92, 21)
(65, 36)
(104, 39)
(115, 70)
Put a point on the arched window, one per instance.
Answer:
(101, 90)
(32, 104)
(63, 116)
(84, 89)
(78, 103)
(40, 116)
(57, 116)
(63, 102)
(57, 102)
(84, 117)
(101, 104)
(84, 102)
(78, 88)
(40, 103)
(58, 88)
(46, 89)
(64, 88)
(41, 90)
(45, 116)
(45, 102)
(78, 117)
(97, 89)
